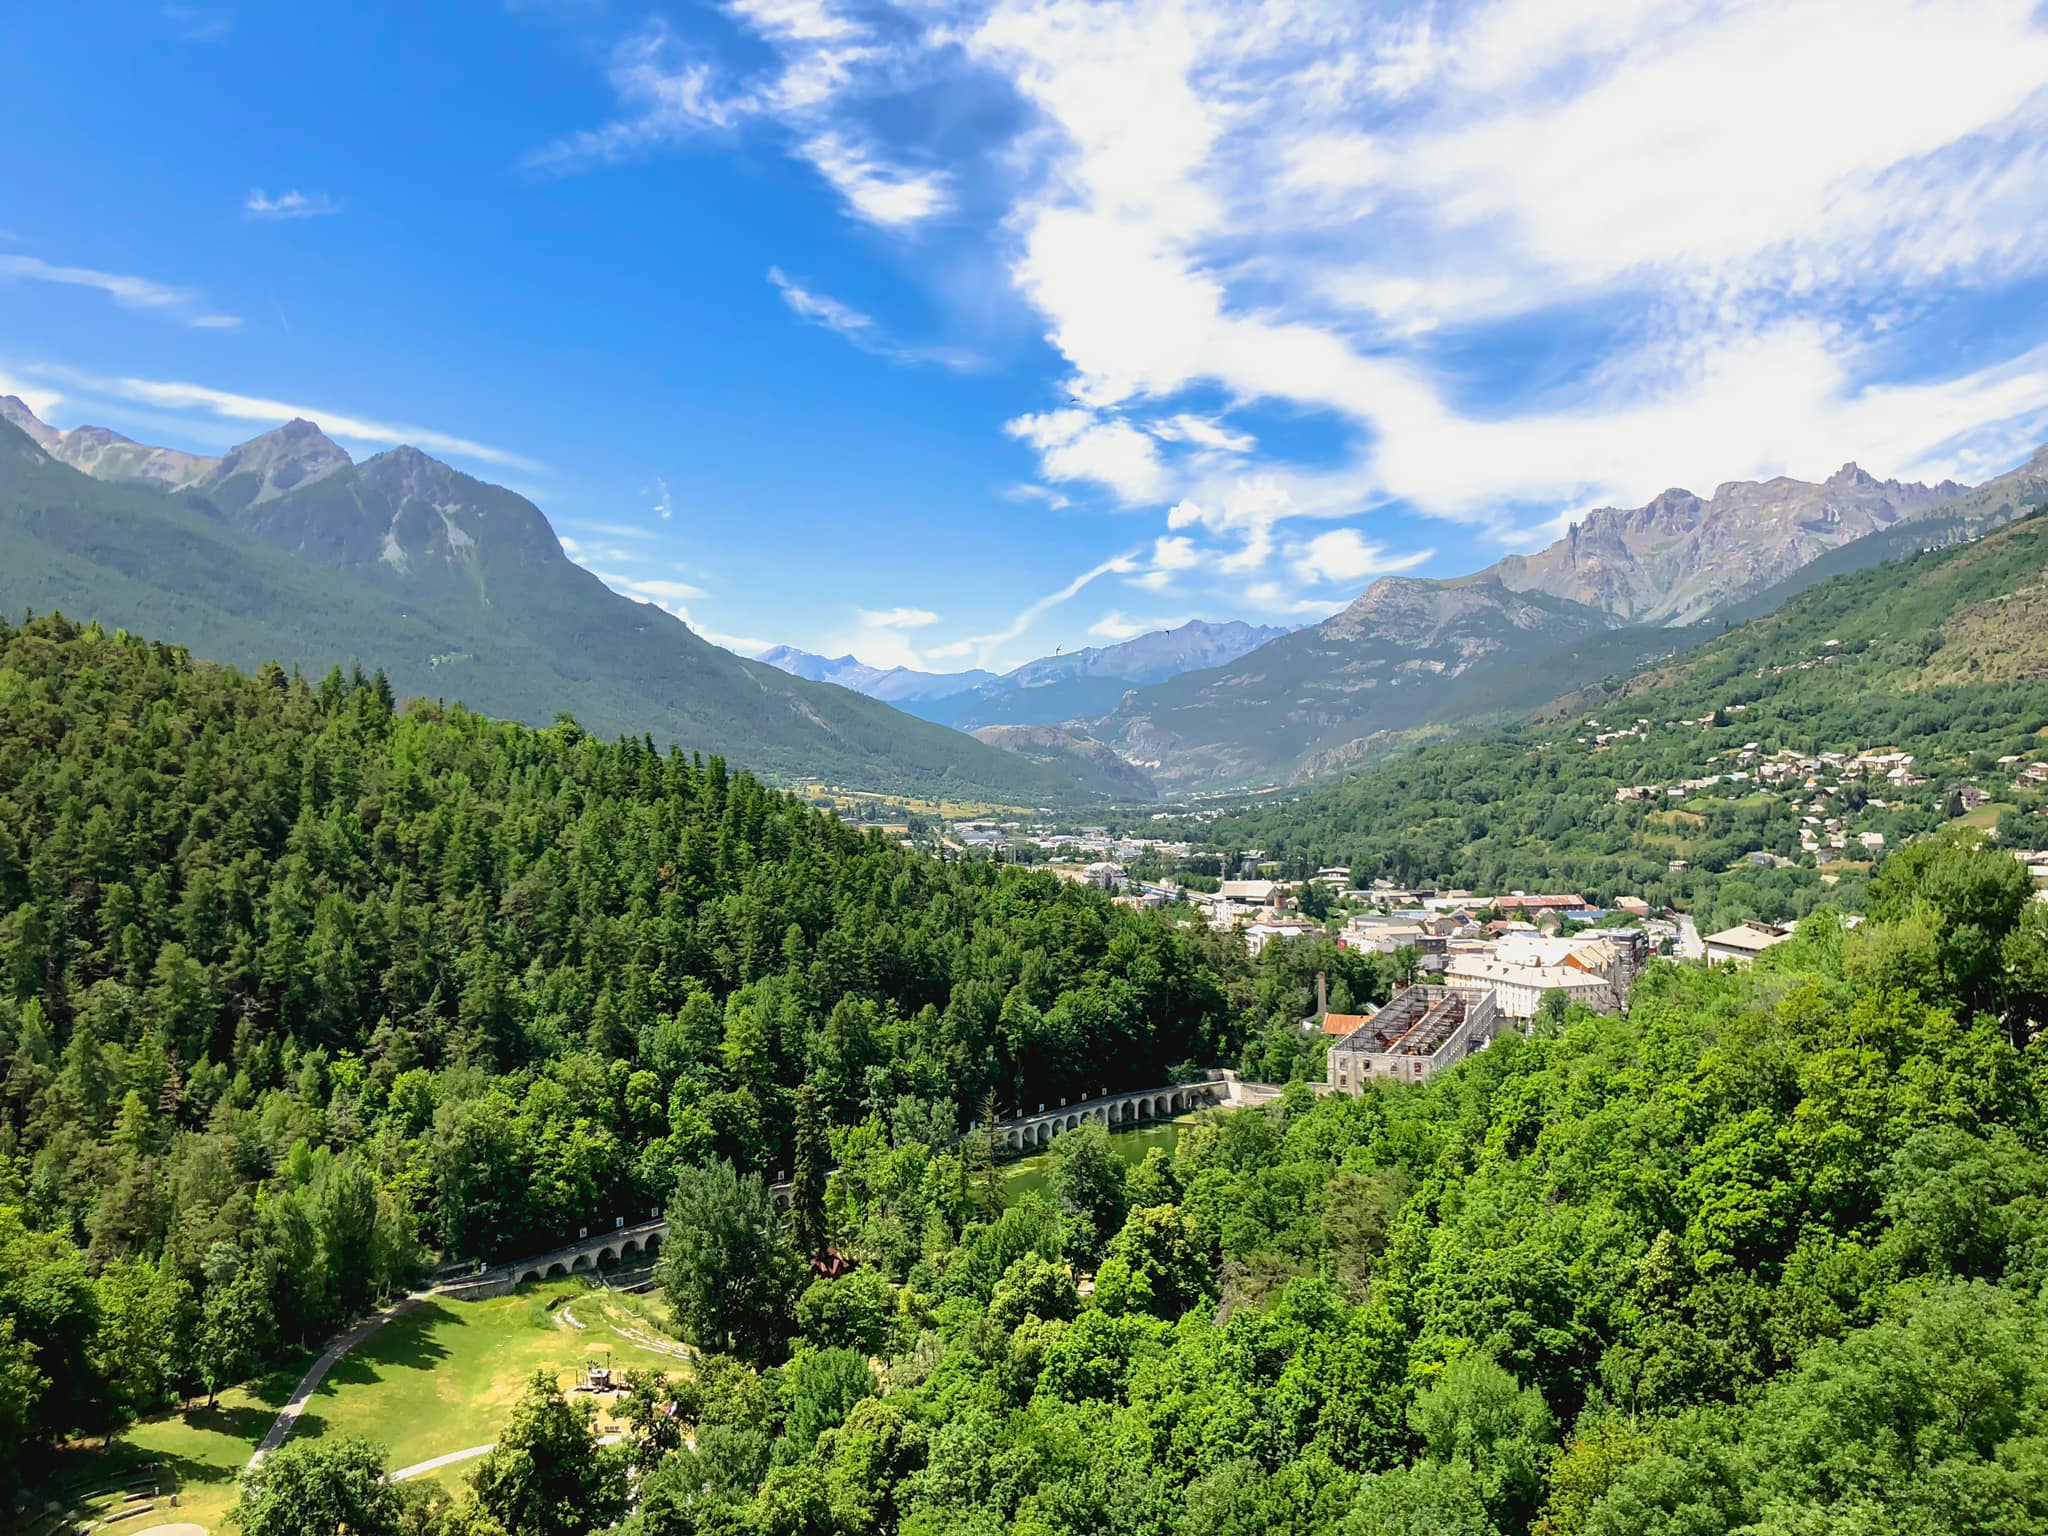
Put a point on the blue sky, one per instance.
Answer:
(948, 333)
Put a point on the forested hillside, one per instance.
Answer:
(455, 589)
(1938, 655)
(296, 987)
(1767, 1256)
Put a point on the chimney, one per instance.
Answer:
(1322, 995)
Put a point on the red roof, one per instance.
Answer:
(1505, 903)
(1343, 1023)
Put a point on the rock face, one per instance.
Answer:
(1678, 557)
(1322, 698)
(273, 465)
(108, 455)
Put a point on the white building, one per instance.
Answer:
(1741, 944)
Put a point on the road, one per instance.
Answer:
(1690, 945)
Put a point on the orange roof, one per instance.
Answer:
(1343, 1023)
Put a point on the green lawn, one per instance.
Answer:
(441, 1378)
(196, 1453)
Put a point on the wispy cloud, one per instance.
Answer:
(899, 618)
(666, 95)
(227, 405)
(862, 329)
(664, 505)
(139, 293)
(294, 204)
(990, 645)
(892, 196)
(1116, 625)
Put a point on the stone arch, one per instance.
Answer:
(607, 1257)
(1072, 1121)
(628, 1248)
(556, 1271)
(580, 1262)
(1044, 1132)
(531, 1274)
(652, 1245)
(1010, 1138)
(1159, 1107)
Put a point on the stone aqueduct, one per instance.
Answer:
(1020, 1133)
(1118, 1111)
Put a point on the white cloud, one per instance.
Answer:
(664, 505)
(843, 320)
(990, 645)
(1343, 555)
(1078, 445)
(1203, 432)
(953, 650)
(288, 205)
(1277, 597)
(1040, 493)
(666, 96)
(38, 398)
(878, 192)
(1116, 625)
(229, 406)
(659, 591)
(1713, 210)
(898, 618)
(143, 293)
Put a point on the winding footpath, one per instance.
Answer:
(317, 1372)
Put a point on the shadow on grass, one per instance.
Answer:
(403, 1344)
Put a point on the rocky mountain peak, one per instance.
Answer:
(15, 412)
(281, 460)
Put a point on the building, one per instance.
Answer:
(1250, 893)
(1263, 931)
(1418, 1033)
(1741, 944)
(1517, 990)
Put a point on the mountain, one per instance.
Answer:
(1415, 655)
(1079, 757)
(1939, 654)
(456, 589)
(1318, 700)
(894, 684)
(1678, 558)
(1083, 684)
(108, 455)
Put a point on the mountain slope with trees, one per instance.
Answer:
(454, 589)
(297, 986)
(1933, 655)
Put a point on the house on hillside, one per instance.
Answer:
(1741, 944)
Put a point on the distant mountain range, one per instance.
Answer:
(1414, 655)
(1072, 685)
(895, 684)
(284, 549)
